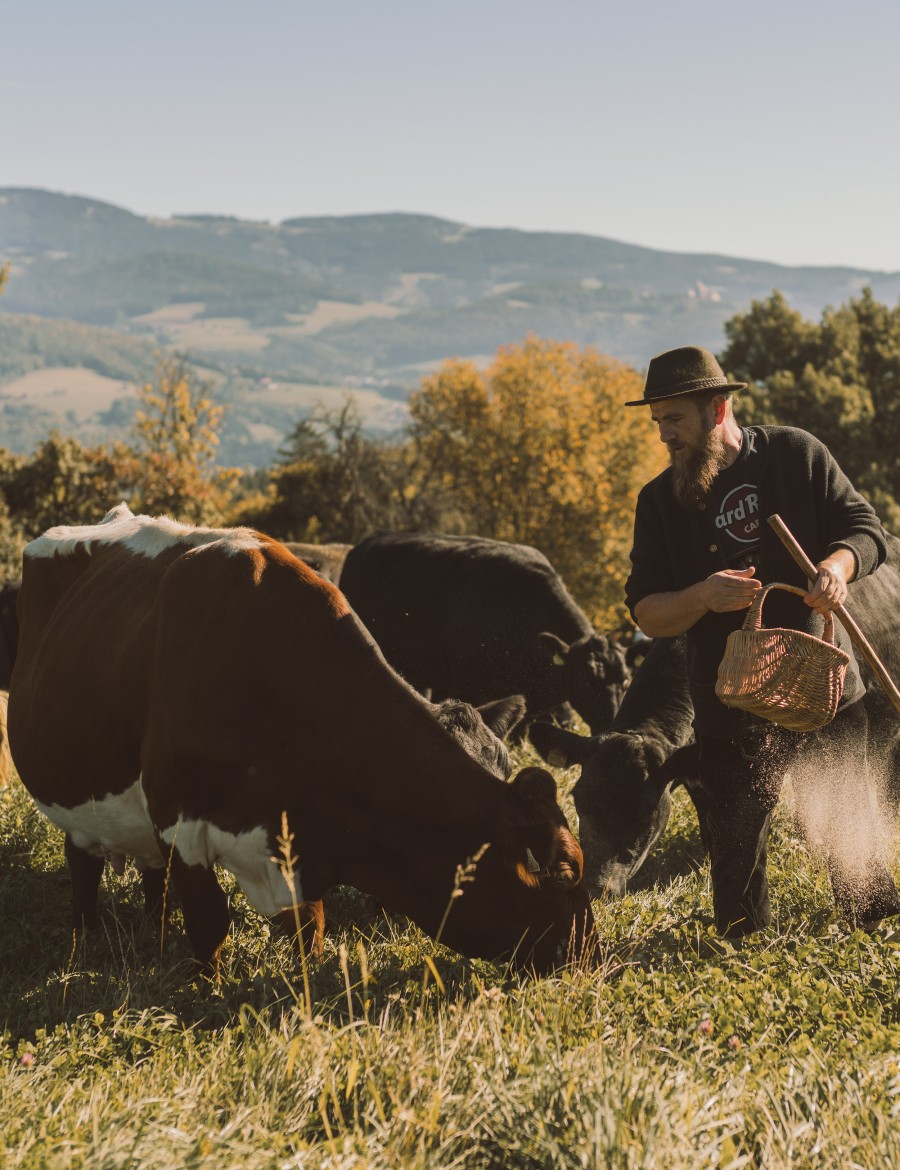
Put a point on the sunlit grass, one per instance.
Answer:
(681, 1051)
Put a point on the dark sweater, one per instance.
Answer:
(675, 547)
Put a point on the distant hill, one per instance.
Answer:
(357, 301)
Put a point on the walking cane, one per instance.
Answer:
(864, 646)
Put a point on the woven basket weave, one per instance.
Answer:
(786, 676)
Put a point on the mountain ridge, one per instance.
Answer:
(372, 299)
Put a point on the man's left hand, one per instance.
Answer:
(830, 586)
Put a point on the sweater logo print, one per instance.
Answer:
(739, 514)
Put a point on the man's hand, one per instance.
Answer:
(830, 586)
(665, 615)
(731, 589)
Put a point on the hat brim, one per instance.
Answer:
(684, 393)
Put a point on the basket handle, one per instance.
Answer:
(753, 620)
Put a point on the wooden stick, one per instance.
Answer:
(864, 646)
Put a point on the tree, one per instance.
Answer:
(839, 379)
(332, 482)
(176, 435)
(62, 482)
(539, 450)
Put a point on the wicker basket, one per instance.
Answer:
(788, 677)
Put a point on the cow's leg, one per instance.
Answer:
(154, 884)
(85, 871)
(205, 908)
(307, 928)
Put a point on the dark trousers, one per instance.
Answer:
(740, 780)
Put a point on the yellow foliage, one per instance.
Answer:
(540, 450)
(177, 431)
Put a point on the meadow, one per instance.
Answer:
(681, 1050)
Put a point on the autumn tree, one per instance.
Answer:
(176, 435)
(332, 482)
(540, 450)
(839, 379)
(61, 482)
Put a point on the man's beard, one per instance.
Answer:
(693, 474)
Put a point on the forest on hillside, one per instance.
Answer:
(536, 449)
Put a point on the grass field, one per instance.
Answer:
(681, 1051)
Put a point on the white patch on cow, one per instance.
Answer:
(112, 827)
(146, 536)
(247, 855)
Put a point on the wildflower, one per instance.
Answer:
(705, 1027)
(27, 1059)
(734, 1043)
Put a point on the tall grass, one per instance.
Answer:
(681, 1051)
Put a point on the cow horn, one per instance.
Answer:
(531, 862)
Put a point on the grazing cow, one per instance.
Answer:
(476, 618)
(9, 633)
(622, 799)
(622, 796)
(326, 559)
(178, 689)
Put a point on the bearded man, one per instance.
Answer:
(700, 556)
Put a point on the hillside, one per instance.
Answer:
(357, 301)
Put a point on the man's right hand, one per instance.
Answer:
(731, 589)
(665, 615)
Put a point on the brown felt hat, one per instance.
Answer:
(687, 370)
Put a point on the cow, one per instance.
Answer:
(9, 632)
(326, 559)
(180, 692)
(622, 796)
(478, 618)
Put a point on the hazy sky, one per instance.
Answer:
(761, 129)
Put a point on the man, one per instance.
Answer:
(701, 553)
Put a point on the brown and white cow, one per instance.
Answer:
(165, 678)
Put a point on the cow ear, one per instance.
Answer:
(552, 648)
(535, 787)
(559, 747)
(502, 715)
(680, 768)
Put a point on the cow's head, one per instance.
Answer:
(480, 730)
(622, 797)
(527, 901)
(591, 674)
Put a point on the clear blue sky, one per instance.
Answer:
(758, 129)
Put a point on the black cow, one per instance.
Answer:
(622, 796)
(477, 618)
